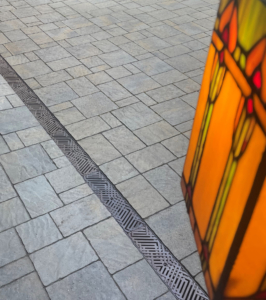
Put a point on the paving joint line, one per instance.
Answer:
(168, 268)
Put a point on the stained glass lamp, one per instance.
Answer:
(223, 179)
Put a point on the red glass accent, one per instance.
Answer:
(221, 57)
(250, 106)
(261, 295)
(205, 252)
(244, 146)
(225, 35)
(257, 79)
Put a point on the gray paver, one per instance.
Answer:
(88, 127)
(156, 132)
(55, 94)
(173, 228)
(15, 270)
(28, 287)
(63, 258)
(32, 69)
(15, 100)
(6, 189)
(142, 196)
(117, 58)
(139, 282)
(33, 135)
(165, 93)
(21, 46)
(188, 85)
(38, 233)
(124, 140)
(38, 196)
(112, 245)
(76, 193)
(200, 279)
(99, 78)
(165, 180)
(178, 165)
(174, 111)
(114, 91)
(82, 86)
(80, 214)
(12, 213)
(10, 247)
(152, 43)
(64, 179)
(26, 163)
(16, 119)
(119, 170)
(152, 66)
(136, 116)
(62, 162)
(52, 78)
(178, 145)
(118, 72)
(52, 149)
(111, 120)
(169, 77)
(192, 263)
(3, 146)
(99, 149)
(13, 142)
(94, 105)
(76, 285)
(63, 63)
(84, 51)
(78, 71)
(184, 63)
(138, 83)
(4, 104)
(167, 296)
(69, 116)
(191, 99)
(150, 157)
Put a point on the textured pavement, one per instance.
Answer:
(123, 78)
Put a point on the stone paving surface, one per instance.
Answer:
(123, 78)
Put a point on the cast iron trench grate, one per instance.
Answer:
(171, 272)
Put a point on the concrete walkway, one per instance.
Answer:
(122, 77)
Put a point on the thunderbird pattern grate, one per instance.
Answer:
(171, 272)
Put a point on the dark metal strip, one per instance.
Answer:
(163, 262)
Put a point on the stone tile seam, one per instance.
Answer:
(160, 259)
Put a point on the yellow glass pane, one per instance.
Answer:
(233, 32)
(236, 201)
(251, 260)
(237, 53)
(251, 22)
(203, 97)
(216, 151)
(217, 41)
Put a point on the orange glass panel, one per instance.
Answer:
(238, 75)
(226, 16)
(239, 111)
(216, 151)
(260, 111)
(203, 97)
(263, 88)
(255, 57)
(251, 260)
(236, 201)
(233, 32)
(208, 284)
(217, 41)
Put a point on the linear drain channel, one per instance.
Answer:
(171, 272)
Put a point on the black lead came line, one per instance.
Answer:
(159, 257)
